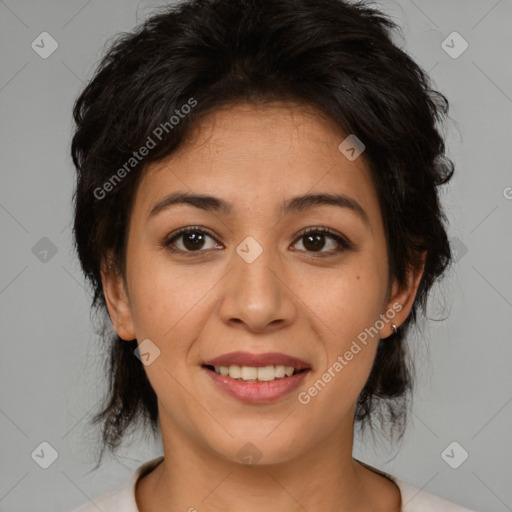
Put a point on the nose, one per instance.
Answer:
(258, 295)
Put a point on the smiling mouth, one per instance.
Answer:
(255, 373)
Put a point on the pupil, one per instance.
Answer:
(195, 238)
(315, 245)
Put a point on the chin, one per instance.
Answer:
(254, 447)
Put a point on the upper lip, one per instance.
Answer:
(257, 360)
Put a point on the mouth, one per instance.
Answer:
(257, 378)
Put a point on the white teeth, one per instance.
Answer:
(252, 373)
(279, 371)
(266, 373)
(235, 371)
(248, 373)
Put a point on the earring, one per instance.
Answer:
(395, 330)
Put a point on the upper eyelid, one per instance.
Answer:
(189, 229)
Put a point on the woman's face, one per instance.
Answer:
(248, 279)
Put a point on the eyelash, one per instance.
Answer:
(343, 243)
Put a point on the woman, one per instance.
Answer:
(257, 210)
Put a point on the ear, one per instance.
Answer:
(402, 299)
(117, 300)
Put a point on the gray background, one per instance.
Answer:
(51, 364)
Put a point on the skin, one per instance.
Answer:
(290, 299)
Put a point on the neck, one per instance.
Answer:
(192, 477)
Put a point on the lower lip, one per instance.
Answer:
(257, 392)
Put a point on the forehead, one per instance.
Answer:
(257, 156)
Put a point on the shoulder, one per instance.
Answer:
(117, 500)
(417, 500)
(122, 498)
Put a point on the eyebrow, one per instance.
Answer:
(293, 205)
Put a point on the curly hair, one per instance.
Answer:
(333, 55)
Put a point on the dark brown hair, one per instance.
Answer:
(333, 55)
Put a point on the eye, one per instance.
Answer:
(193, 240)
(314, 240)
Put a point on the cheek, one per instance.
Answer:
(350, 351)
(162, 292)
(349, 303)
(347, 300)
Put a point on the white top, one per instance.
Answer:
(122, 499)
